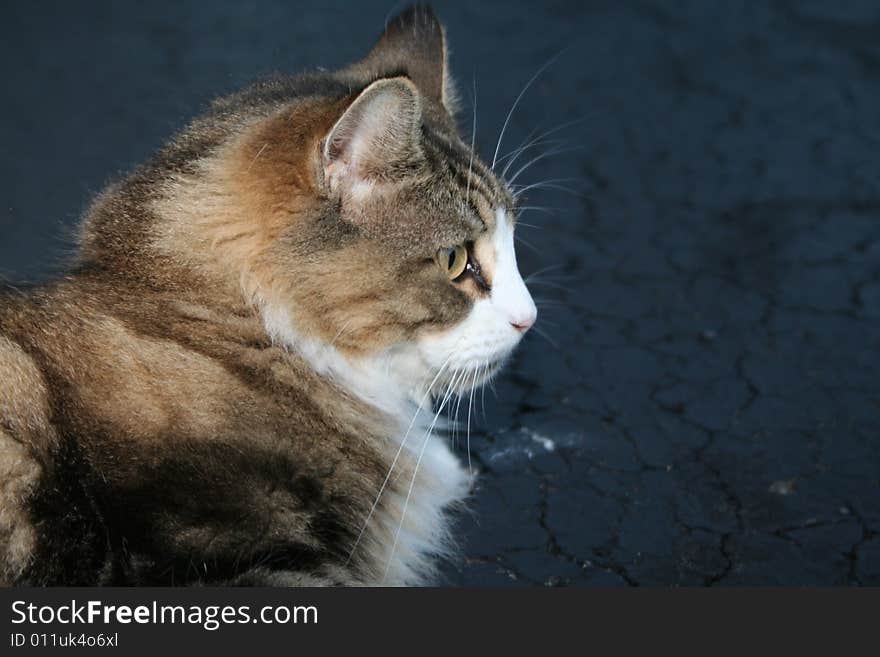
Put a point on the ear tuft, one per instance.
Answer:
(377, 136)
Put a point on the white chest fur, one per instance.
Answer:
(431, 480)
(408, 525)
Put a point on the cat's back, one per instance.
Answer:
(73, 342)
(94, 357)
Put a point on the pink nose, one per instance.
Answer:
(524, 324)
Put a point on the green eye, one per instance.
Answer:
(452, 261)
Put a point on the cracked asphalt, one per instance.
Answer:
(703, 407)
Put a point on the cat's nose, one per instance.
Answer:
(524, 323)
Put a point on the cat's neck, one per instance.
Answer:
(379, 380)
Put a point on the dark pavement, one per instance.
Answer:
(705, 408)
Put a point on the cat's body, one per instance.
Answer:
(227, 386)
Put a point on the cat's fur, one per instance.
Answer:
(232, 371)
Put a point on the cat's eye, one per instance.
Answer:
(452, 260)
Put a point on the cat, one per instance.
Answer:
(233, 384)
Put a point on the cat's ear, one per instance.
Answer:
(377, 138)
(414, 44)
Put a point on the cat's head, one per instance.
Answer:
(366, 227)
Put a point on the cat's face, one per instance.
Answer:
(501, 309)
(394, 171)
(404, 255)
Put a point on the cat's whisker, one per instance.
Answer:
(341, 331)
(544, 335)
(556, 286)
(527, 142)
(514, 155)
(554, 180)
(542, 156)
(541, 271)
(470, 405)
(519, 98)
(465, 389)
(527, 244)
(455, 425)
(450, 425)
(257, 156)
(537, 208)
(526, 225)
(548, 302)
(396, 458)
(483, 389)
(548, 184)
(558, 188)
(540, 140)
(534, 143)
(558, 277)
(559, 282)
(427, 439)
